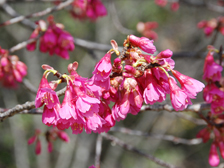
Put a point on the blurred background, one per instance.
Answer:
(177, 31)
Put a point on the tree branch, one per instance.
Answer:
(203, 3)
(171, 138)
(10, 11)
(37, 14)
(137, 151)
(99, 141)
(116, 20)
(26, 106)
(158, 107)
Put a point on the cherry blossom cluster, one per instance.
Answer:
(174, 4)
(55, 40)
(146, 29)
(12, 70)
(218, 142)
(213, 94)
(211, 25)
(136, 76)
(92, 9)
(50, 135)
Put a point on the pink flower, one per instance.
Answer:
(153, 91)
(146, 29)
(106, 114)
(55, 40)
(66, 41)
(211, 92)
(63, 136)
(102, 71)
(95, 9)
(49, 146)
(45, 95)
(129, 100)
(94, 123)
(189, 85)
(86, 105)
(36, 138)
(202, 24)
(48, 41)
(32, 46)
(213, 158)
(50, 116)
(103, 68)
(208, 31)
(179, 98)
(11, 69)
(38, 147)
(212, 70)
(204, 134)
(67, 113)
(77, 128)
(143, 43)
(89, 8)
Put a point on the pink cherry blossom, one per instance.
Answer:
(49, 146)
(212, 70)
(153, 91)
(143, 43)
(204, 134)
(213, 158)
(50, 116)
(128, 100)
(95, 9)
(179, 98)
(38, 147)
(106, 114)
(94, 123)
(11, 69)
(189, 85)
(88, 9)
(67, 112)
(55, 40)
(102, 71)
(45, 95)
(63, 136)
(32, 46)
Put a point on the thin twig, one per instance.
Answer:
(37, 14)
(116, 20)
(206, 4)
(87, 44)
(26, 106)
(159, 107)
(171, 138)
(214, 37)
(11, 12)
(23, 44)
(29, 86)
(99, 141)
(191, 119)
(137, 151)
